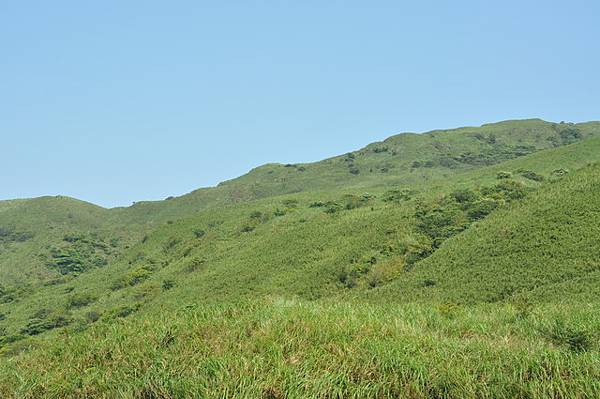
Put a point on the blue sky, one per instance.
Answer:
(119, 101)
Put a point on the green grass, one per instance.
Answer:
(277, 348)
(544, 243)
(409, 268)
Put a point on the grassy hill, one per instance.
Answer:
(546, 243)
(457, 263)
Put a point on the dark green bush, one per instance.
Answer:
(38, 325)
(92, 316)
(464, 196)
(574, 339)
(194, 264)
(440, 220)
(481, 208)
(80, 300)
(560, 172)
(133, 277)
(199, 233)
(570, 135)
(353, 201)
(172, 243)
(247, 228)
(398, 195)
(507, 190)
(504, 175)
(428, 283)
(10, 235)
(290, 203)
(79, 254)
(531, 175)
(332, 207)
(122, 311)
(256, 215)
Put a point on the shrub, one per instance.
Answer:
(507, 190)
(504, 175)
(560, 172)
(123, 311)
(570, 135)
(428, 283)
(353, 170)
(80, 300)
(415, 253)
(194, 264)
(67, 260)
(290, 203)
(247, 228)
(531, 175)
(138, 275)
(256, 215)
(440, 220)
(332, 207)
(523, 308)
(133, 277)
(43, 321)
(199, 233)
(353, 201)
(347, 278)
(10, 235)
(92, 316)
(375, 279)
(574, 339)
(464, 196)
(171, 243)
(398, 195)
(187, 251)
(481, 209)
(168, 284)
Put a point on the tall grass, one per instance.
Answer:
(280, 348)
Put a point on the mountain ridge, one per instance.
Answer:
(394, 137)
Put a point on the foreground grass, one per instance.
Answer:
(278, 348)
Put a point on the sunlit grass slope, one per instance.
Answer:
(287, 349)
(547, 243)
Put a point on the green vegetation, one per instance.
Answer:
(458, 263)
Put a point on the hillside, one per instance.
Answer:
(473, 247)
(543, 248)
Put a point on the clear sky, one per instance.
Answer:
(118, 101)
